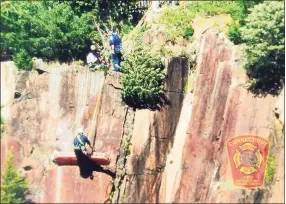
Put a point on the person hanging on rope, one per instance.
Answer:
(81, 144)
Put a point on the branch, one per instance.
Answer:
(96, 25)
(106, 49)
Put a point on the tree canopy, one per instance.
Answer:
(59, 30)
(263, 35)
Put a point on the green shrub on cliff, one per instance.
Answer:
(143, 79)
(234, 33)
(1, 122)
(23, 60)
(188, 32)
(270, 169)
(264, 53)
(177, 22)
(13, 185)
(1, 119)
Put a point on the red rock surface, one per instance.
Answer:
(63, 184)
(221, 109)
(14, 146)
(70, 186)
(111, 118)
(45, 119)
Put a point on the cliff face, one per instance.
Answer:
(182, 157)
(175, 154)
(138, 178)
(49, 107)
(222, 108)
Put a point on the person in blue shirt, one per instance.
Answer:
(81, 144)
(85, 164)
(115, 43)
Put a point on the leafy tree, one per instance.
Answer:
(13, 185)
(239, 16)
(143, 79)
(263, 34)
(108, 13)
(244, 6)
(60, 30)
(51, 32)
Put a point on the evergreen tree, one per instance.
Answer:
(13, 185)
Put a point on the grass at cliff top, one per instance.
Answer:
(178, 19)
(182, 14)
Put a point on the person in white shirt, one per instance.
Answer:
(92, 58)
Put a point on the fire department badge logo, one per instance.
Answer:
(248, 157)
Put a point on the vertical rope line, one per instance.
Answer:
(94, 117)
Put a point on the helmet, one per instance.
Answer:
(92, 47)
(80, 130)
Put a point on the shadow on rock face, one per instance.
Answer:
(86, 167)
(269, 79)
(156, 103)
(29, 201)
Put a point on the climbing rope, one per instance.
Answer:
(94, 117)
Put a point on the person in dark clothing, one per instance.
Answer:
(115, 43)
(81, 144)
(86, 165)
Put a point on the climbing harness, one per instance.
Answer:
(81, 143)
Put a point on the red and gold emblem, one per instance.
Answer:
(248, 157)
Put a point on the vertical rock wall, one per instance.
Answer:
(152, 137)
(222, 109)
(53, 102)
(8, 85)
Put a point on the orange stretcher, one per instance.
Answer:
(69, 158)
